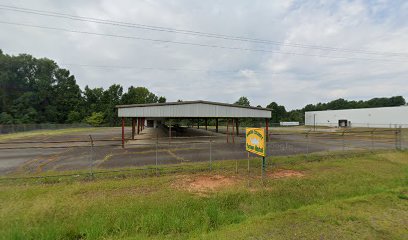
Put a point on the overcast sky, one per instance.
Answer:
(330, 49)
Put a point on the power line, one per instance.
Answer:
(194, 33)
(146, 68)
(167, 69)
(194, 44)
(258, 73)
(238, 71)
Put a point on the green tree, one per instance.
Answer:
(31, 90)
(74, 117)
(296, 116)
(397, 101)
(38, 91)
(6, 118)
(243, 101)
(67, 95)
(93, 100)
(139, 95)
(111, 97)
(162, 99)
(23, 110)
(278, 112)
(96, 119)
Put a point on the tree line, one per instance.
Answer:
(39, 91)
(36, 90)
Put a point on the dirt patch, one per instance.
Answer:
(282, 173)
(204, 184)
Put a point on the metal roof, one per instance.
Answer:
(192, 109)
(189, 102)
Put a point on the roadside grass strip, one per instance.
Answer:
(357, 196)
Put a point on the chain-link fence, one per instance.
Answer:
(96, 155)
(358, 125)
(14, 128)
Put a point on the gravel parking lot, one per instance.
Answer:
(72, 151)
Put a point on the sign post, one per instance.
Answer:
(256, 143)
(263, 166)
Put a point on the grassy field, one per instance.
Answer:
(48, 132)
(354, 196)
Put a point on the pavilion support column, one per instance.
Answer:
(169, 130)
(138, 126)
(206, 123)
(237, 126)
(198, 123)
(267, 129)
(227, 130)
(216, 125)
(133, 128)
(123, 132)
(233, 133)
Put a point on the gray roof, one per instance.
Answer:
(192, 109)
(190, 102)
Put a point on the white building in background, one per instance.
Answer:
(287, 124)
(384, 117)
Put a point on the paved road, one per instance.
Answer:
(72, 151)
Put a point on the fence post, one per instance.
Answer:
(307, 143)
(249, 174)
(372, 140)
(263, 166)
(170, 122)
(157, 146)
(91, 157)
(210, 155)
(248, 163)
(400, 137)
(343, 139)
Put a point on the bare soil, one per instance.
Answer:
(203, 184)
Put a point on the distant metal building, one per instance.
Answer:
(151, 114)
(384, 117)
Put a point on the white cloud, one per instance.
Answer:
(225, 75)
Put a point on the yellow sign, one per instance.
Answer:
(255, 141)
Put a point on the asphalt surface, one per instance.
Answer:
(74, 152)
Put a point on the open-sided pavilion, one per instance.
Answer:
(151, 114)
